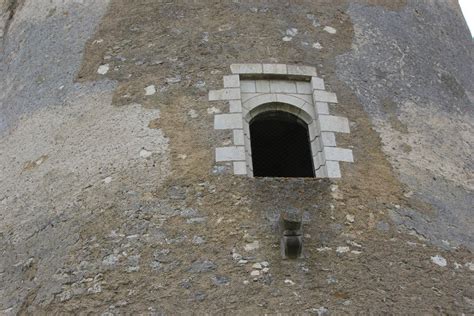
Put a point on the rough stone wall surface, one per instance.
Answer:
(419, 94)
(109, 199)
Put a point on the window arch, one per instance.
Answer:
(255, 90)
(280, 145)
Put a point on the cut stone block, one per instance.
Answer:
(282, 86)
(279, 69)
(246, 68)
(322, 108)
(303, 87)
(238, 137)
(332, 169)
(317, 83)
(338, 154)
(263, 86)
(231, 81)
(324, 96)
(301, 70)
(328, 139)
(248, 86)
(318, 160)
(235, 106)
(240, 168)
(224, 94)
(321, 172)
(231, 153)
(245, 96)
(316, 147)
(329, 123)
(227, 121)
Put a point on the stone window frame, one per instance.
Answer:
(252, 89)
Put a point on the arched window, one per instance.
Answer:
(280, 122)
(280, 145)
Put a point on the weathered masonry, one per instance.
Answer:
(291, 93)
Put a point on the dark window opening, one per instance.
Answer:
(280, 146)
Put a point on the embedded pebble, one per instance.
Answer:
(265, 270)
(145, 153)
(350, 218)
(193, 114)
(220, 280)
(440, 261)
(213, 110)
(107, 180)
(257, 266)
(323, 249)
(287, 38)
(150, 90)
(470, 266)
(236, 256)
(173, 80)
(202, 266)
(330, 30)
(243, 261)
(255, 273)
(198, 240)
(103, 69)
(110, 260)
(252, 246)
(289, 282)
(317, 45)
(342, 249)
(292, 31)
(264, 264)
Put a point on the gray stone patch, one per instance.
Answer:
(202, 266)
(220, 280)
(408, 77)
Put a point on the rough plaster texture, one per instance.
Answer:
(162, 231)
(421, 103)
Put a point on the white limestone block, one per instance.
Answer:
(282, 86)
(263, 86)
(240, 167)
(261, 99)
(227, 121)
(316, 147)
(318, 160)
(248, 86)
(338, 154)
(317, 83)
(238, 135)
(301, 70)
(322, 108)
(288, 99)
(279, 69)
(313, 130)
(246, 68)
(303, 87)
(328, 139)
(332, 169)
(329, 123)
(231, 153)
(235, 106)
(321, 172)
(224, 94)
(324, 96)
(307, 97)
(245, 96)
(232, 81)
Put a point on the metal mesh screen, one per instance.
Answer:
(280, 146)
